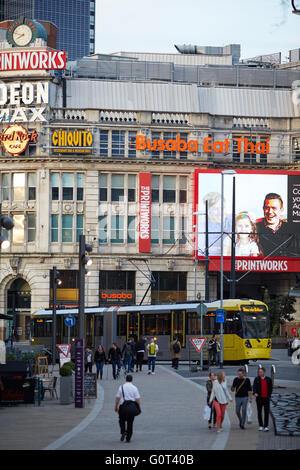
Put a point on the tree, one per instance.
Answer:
(281, 310)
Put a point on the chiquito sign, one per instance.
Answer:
(23, 101)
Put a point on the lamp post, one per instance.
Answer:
(7, 223)
(223, 173)
(55, 282)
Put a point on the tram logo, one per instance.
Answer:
(15, 139)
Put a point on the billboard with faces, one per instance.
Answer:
(267, 219)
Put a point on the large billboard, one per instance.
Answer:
(267, 219)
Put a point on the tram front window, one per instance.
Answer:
(256, 325)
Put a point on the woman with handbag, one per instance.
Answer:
(127, 404)
(219, 397)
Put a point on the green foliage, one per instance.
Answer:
(67, 369)
(281, 310)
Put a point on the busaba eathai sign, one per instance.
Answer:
(267, 219)
(208, 145)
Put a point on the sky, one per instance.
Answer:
(260, 26)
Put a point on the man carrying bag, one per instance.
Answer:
(127, 404)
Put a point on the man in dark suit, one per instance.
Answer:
(272, 230)
(262, 390)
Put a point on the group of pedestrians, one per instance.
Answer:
(131, 356)
(218, 397)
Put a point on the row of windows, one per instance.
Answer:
(113, 229)
(24, 229)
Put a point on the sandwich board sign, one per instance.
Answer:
(65, 354)
(198, 343)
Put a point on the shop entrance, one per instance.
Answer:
(18, 305)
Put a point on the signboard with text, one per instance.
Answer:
(145, 213)
(267, 219)
(79, 373)
(72, 141)
(32, 60)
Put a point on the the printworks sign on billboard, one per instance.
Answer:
(267, 219)
(145, 212)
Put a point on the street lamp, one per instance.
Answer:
(223, 173)
(84, 262)
(56, 281)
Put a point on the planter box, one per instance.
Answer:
(66, 390)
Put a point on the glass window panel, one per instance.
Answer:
(18, 230)
(118, 143)
(117, 188)
(156, 137)
(19, 186)
(168, 230)
(31, 179)
(79, 226)
(155, 188)
(169, 182)
(131, 229)
(183, 155)
(169, 153)
(54, 228)
(182, 236)
(80, 185)
(67, 180)
(54, 179)
(5, 186)
(31, 231)
(182, 189)
(103, 143)
(131, 145)
(103, 229)
(67, 228)
(117, 229)
(155, 229)
(132, 181)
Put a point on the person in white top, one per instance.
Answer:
(126, 392)
(219, 396)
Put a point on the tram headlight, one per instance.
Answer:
(248, 344)
(269, 343)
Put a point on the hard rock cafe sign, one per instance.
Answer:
(15, 139)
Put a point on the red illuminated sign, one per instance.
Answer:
(145, 213)
(32, 60)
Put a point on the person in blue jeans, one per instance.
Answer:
(152, 350)
(114, 356)
(243, 394)
(128, 354)
(100, 359)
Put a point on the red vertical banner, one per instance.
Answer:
(145, 213)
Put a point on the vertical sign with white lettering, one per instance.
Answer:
(145, 213)
(79, 373)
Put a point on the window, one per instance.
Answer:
(103, 229)
(118, 143)
(55, 186)
(154, 188)
(80, 186)
(31, 230)
(5, 185)
(168, 230)
(182, 236)
(182, 189)
(169, 189)
(156, 136)
(183, 155)
(169, 153)
(131, 188)
(158, 324)
(18, 230)
(169, 287)
(131, 229)
(68, 185)
(54, 228)
(117, 188)
(155, 230)
(131, 144)
(236, 156)
(19, 186)
(103, 187)
(249, 156)
(79, 226)
(103, 143)
(117, 280)
(117, 229)
(67, 228)
(263, 156)
(31, 183)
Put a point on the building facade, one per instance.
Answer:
(74, 19)
(82, 172)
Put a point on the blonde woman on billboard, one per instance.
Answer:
(246, 241)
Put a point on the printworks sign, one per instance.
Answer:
(15, 139)
(72, 141)
(145, 213)
(32, 60)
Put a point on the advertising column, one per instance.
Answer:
(145, 213)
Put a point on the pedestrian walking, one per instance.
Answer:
(115, 356)
(100, 359)
(219, 397)
(262, 390)
(212, 350)
(218, 351)
(133, 362)
(127, 393)
(175, 350)
(209, 386)
(88, 360)
(139, 352)
(152, 350)
(128, 353)
(243, 393)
